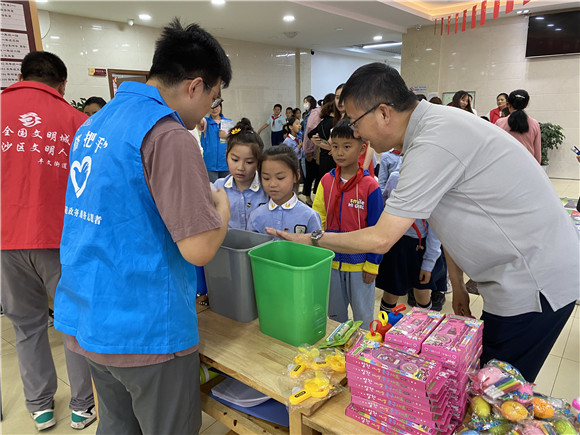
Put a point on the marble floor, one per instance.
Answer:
(559, 377)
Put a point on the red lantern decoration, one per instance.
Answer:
(483, 8)
(464, 20)
(509, 6)
(496, 5)
(456, 21)
(473, 16)
(448, 23)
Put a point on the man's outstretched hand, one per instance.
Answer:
(293, 237)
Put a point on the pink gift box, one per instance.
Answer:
(413, 328)
(406, 426)
(400, 395)
(384, 377)
(454, 340)
(389, 391)
(367, 400)
(366, 419)
(411, 369)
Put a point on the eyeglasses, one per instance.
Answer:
(352, 125)
(217, 101)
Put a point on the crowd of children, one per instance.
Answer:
(262, 187)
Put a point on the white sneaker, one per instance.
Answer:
(83, 418)
(43, 419)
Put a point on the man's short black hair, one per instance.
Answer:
(377, 83)
(182, 53)
(95, 100)
(43, 67)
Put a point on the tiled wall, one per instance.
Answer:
(263, 74)
(491, 59)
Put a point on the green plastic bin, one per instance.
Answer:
(291, 282)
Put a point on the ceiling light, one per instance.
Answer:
(518, 12)
(539, 18)
(557, 29)
(386, 44)
(526, 11)
(378, 38)
(428, 49)
(288, 18)
(130, 21)
(339, 29)
(550, 25)
(218, 2)
(55, 37)
(145, 17)
(95, 27)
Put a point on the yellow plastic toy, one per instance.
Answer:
(318, 386)
(336, 363)
(298, 370)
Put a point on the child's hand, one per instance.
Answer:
(424, 276)
(368, 277)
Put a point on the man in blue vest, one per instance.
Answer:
(139, 213)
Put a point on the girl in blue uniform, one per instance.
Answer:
(279, 174)
(243, 184)
(292, 129)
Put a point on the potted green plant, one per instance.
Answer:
(552, 138)
(79, 105)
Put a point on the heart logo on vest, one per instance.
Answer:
(83, 167)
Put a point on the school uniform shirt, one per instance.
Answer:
(361, 207)
(242, 204)
(38, 127)
(293, 143)
(293, 216)
(276, 123)
(214, 148)
(389, 162)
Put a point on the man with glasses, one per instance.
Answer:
(139, 210)
(492, 207)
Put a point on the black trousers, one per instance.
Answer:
(311, 176)
(525, 340)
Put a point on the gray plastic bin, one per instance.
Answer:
(230, 284)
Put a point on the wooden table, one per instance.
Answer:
(330, 419)
(241, 351)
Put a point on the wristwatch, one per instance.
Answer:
(315, 236)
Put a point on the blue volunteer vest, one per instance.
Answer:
(124, 288)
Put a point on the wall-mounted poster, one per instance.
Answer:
(19, 35)
(118, 76)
